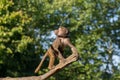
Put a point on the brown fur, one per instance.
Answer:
(56, 49)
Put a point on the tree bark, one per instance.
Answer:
(68, 61)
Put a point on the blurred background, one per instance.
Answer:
(26, 32)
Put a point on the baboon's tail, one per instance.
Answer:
(40, 64)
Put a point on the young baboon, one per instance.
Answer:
(56, 49)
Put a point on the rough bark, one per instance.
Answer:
(68, 61)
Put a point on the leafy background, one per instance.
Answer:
(26, 31)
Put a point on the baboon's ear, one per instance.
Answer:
(67, 31)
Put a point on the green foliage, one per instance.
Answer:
(25, 28)
(15, 41)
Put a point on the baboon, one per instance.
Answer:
(56, 49)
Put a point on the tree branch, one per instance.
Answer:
(68, 61)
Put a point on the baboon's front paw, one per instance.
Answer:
(63, 61)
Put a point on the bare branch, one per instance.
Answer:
(58, 67)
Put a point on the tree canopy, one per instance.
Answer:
(26, 32)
